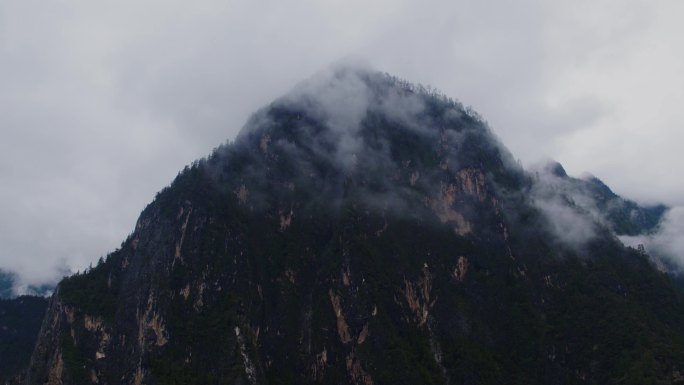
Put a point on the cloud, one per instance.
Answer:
(666, 243)
(340, 99)
(352, 134)
(571, 212)
(575, 207)
(571, 226)
(104, 102)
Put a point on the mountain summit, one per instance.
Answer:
(364, 230)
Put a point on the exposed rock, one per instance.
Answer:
(286, 220)
(472, 182)
(319, 365)
(92, 323)
(184, 227)
(443, 206)
(250, 370)
(157, 326)
(199, 299)
(139, 376)
(151, 320)
(345, 276)
(358, 375)
(55, 374)
(461, 268)
(342, 327)
(418, 296)
(363, 335)
(185, 292)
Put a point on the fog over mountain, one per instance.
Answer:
(104, 103)
(666, 242)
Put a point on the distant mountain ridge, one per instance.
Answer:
(9, 287)
(365, 230)
(623, 216)
(20, 320)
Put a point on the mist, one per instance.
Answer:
(570, 210)
(575, 210)
(345, 117)
(667, 243)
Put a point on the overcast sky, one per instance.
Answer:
(102, 103)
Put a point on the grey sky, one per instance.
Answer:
(101, 103)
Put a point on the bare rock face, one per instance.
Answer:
(360, 230)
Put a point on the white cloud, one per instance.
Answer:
(667, 243)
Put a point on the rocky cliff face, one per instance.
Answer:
(360, 230)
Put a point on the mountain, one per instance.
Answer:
(364, 230)
(9, 287)
(593, 197)
(20, 320)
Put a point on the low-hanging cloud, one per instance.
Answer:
(340, 99)
(572, 213)
(322, 139)
(571, 207)
(666, 244)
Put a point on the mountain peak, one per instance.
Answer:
(360, 230)
(555, 168)
(366, 134)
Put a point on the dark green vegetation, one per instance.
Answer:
(362, 231)
(93, 291)
(20, 319)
